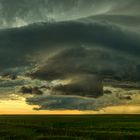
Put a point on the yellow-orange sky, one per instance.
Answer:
(20, 107)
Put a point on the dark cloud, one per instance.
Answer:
(89, 61)
(74, 102)
(125, 97)
(107, 91)
(33, 38)
(83, 48)
(28, 41)
(60, 102)
(81, 42)
(31, 90)
(82, 85)
(124, 85)
(11, 83)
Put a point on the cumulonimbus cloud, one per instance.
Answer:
(89, 50)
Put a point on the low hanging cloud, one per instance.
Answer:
(82, 85)
(74, 102)
(117, 97)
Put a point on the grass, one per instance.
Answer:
(85, 127)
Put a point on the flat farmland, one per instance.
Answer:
(69, 127)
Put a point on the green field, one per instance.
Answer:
(88, 127)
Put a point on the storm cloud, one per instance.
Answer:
(23, 12)
(74, 102)
(65, 53)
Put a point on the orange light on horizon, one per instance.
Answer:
(20, 107)
(8, 107)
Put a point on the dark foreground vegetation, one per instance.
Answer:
(88, 127)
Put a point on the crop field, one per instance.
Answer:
(68, 127)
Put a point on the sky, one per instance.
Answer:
(70, 57)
